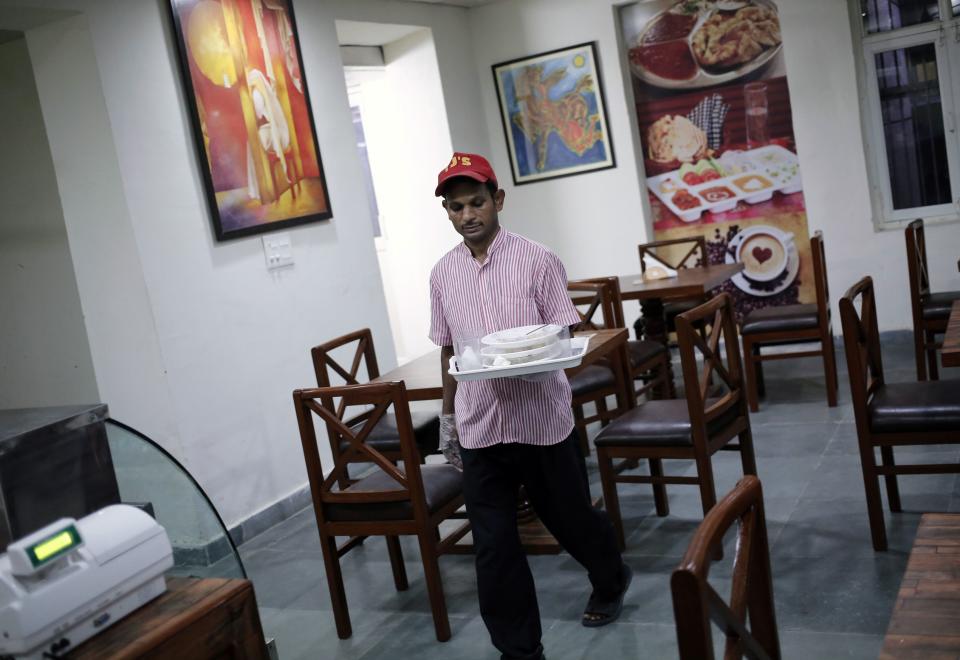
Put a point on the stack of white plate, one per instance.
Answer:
(522, 345)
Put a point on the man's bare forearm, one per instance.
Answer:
(449, 384)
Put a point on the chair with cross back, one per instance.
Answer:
(358, 347)
(675, 254)
(713, 414)
(396, 496)
(599, 304)
(890, 415)
(696, 603)
(930, 310)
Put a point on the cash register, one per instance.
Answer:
(74, 578)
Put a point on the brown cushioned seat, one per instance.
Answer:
(441, 483)
(921, 406)
(781, 319)
(592, 378)
(671, 310)
(663, 423)
(643, 350)
(937, 306)
(386, 437)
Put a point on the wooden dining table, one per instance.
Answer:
(950, 353)
(422, 378)
(688, 283)
(926, 618)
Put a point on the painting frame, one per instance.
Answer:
(507, 103)
(220, 214)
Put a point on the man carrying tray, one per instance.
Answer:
(513, 431)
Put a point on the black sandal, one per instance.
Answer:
(601, 612)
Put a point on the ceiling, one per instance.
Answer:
(9, 35)
(356, 33)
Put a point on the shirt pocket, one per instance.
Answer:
(516, 311)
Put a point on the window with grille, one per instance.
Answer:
(910, 100)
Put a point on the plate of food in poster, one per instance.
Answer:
(716, 185)
(692, 44)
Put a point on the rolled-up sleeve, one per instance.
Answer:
(439, 330)
(552, 298)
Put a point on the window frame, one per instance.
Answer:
(944, 34)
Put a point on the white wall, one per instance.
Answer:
(408, 142)
(193, 341)
(232, 340)
(452, 31)
(44, 353)
(822, 74)
(593, 220)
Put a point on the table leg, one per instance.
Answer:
(655, 329)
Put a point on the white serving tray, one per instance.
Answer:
(578, 347)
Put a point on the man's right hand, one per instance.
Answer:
(450, 441)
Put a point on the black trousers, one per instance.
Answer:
(555, 481)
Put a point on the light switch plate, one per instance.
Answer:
(277, 251)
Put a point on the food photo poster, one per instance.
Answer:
(715, 121)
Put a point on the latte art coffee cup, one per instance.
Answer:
(764, 256)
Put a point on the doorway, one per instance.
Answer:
(403, 137)
(45, 354)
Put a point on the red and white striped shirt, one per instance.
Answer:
(520, 283)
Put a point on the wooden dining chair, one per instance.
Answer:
(714, 413)
(889, 415)
(931, 311)
(677, 254)
(358, 347)
(696, 602)
(391, 500)
(648, 359)
(792, 324)
(596, 382)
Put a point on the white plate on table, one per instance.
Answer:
(578, 348)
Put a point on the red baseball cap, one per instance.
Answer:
(472, 166)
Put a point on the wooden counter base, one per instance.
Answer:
(195, 618)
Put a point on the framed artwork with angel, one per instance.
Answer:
(250, 110)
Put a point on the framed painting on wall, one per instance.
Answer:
(251, 114)
(554, 116)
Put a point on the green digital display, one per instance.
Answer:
(53, 546)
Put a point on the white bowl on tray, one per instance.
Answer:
(578, 348)
(524, 338)
(489, 354)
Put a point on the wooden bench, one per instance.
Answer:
(926, 617)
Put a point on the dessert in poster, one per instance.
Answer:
(713, 111)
